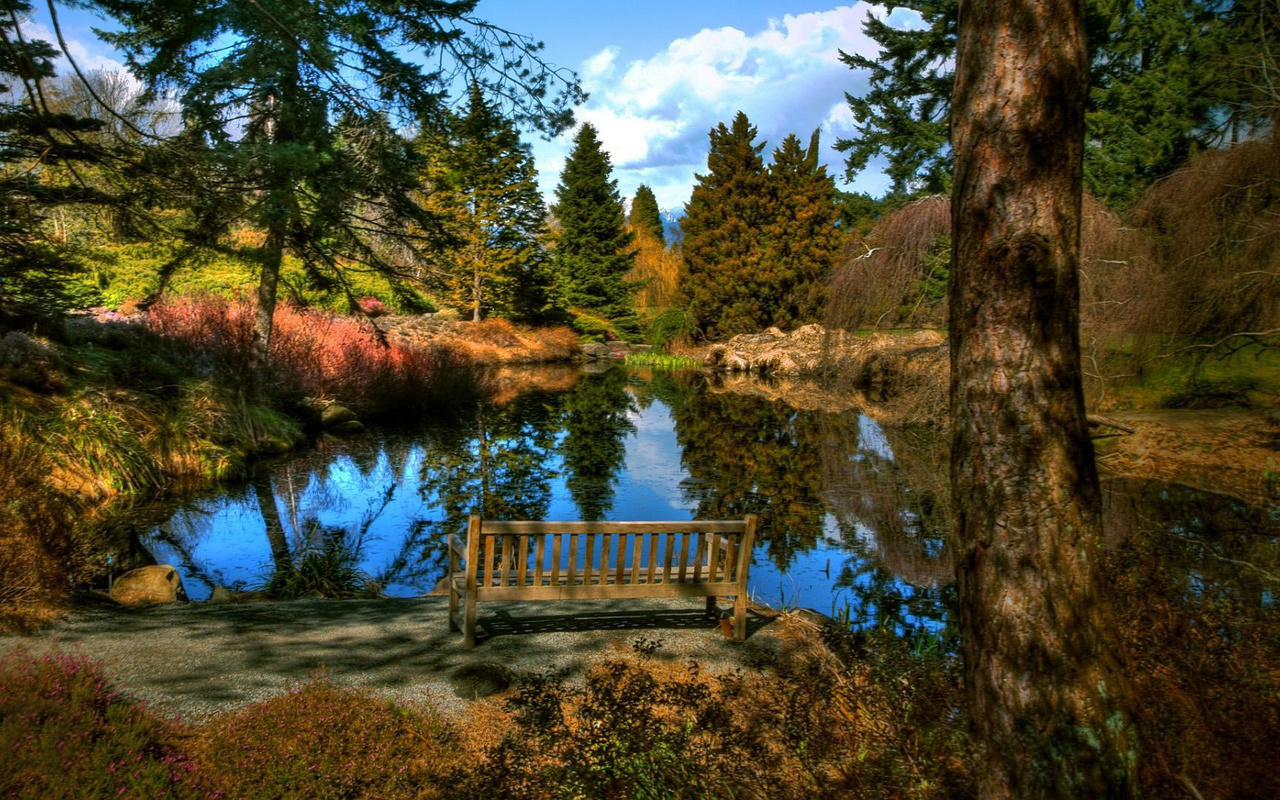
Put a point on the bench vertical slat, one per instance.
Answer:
(684, 555)
(622, 556)
(522, 568)
(653, 557)
(713, 558)
(743, 568)
(731, 557)
(487, 578)
(638, 543)
(589, 559)
(669, 544)
(473, 560)
(604, 558)
(700, 542)
(504, 559)
(453, 586)
(541, 557)
(555, 559)
(573, 557)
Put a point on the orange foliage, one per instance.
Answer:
(658, 268)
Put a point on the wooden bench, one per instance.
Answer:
(521, 561)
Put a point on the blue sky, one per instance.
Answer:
(662, 73)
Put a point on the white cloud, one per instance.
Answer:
(654, 114)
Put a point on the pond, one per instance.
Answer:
(852, 514)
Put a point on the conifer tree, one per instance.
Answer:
(593, 251)
(488, 190)
(293, 112)
(801, 243)
(723, 218)
(644, 214)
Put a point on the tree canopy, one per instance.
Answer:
(645, 216)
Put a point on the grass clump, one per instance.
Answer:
(65, 733)
(672, 328)
(326, 570)
(662, 361)
(325, 741)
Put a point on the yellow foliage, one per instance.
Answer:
(659, 269)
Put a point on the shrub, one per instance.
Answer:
(372, 307)
(672, 328)
(327, 570)
(324, 741)
(882, 723)
(65, 733)
(320, 355)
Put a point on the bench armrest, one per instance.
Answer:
(456, 546)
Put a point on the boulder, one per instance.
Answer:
(159, 583)
(220, 595)
(595, 350)
(335, 415)
(348, 428)
(642, 348)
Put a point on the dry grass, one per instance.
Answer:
(497, 341)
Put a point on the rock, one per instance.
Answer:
(736, 363)
(348, 428)
(160, 583)
(775, 333)
(474, 681)
(221, 594)
(335, 415)
(595, 350)
(641, 348)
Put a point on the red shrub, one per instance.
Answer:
(65, 733)
(319, 354)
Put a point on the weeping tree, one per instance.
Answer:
(1047, 695)
(292, 116)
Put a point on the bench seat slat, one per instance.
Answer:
(533, 528)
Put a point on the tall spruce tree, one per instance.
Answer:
(485, 184)
(801, 242)
(593, 251)
(730, 205)
(644, 214)
(294, 108)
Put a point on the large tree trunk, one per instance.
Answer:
(1047, 695)
(273, 257)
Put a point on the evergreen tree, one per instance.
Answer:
(39, 149)
(1156, 93)
(644, 214)
(294, 110)
(904, 114)
(721, 227)
(485, 183)
(801, 242)
(592, 253)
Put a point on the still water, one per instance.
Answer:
(852, 514)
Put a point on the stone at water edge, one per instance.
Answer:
(335, 415)
(159, 583)
(596, 350)
(220, 595)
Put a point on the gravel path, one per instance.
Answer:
(198, 659)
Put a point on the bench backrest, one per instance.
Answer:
(608, 553)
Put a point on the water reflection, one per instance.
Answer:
(853, 516)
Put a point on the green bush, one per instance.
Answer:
(671, 327)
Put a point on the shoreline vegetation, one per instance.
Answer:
(124, 408)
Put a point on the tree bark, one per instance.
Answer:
(1047, 694)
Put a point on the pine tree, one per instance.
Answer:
(644, 214)
(488, 190)
(293, 110)
(721, 227)
(37, 146)
(801, 243)
(593, 251)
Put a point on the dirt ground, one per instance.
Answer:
(196, 659)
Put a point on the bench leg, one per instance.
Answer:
(453, 608)
(740, 617)
(712, 609)
(469, 629)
